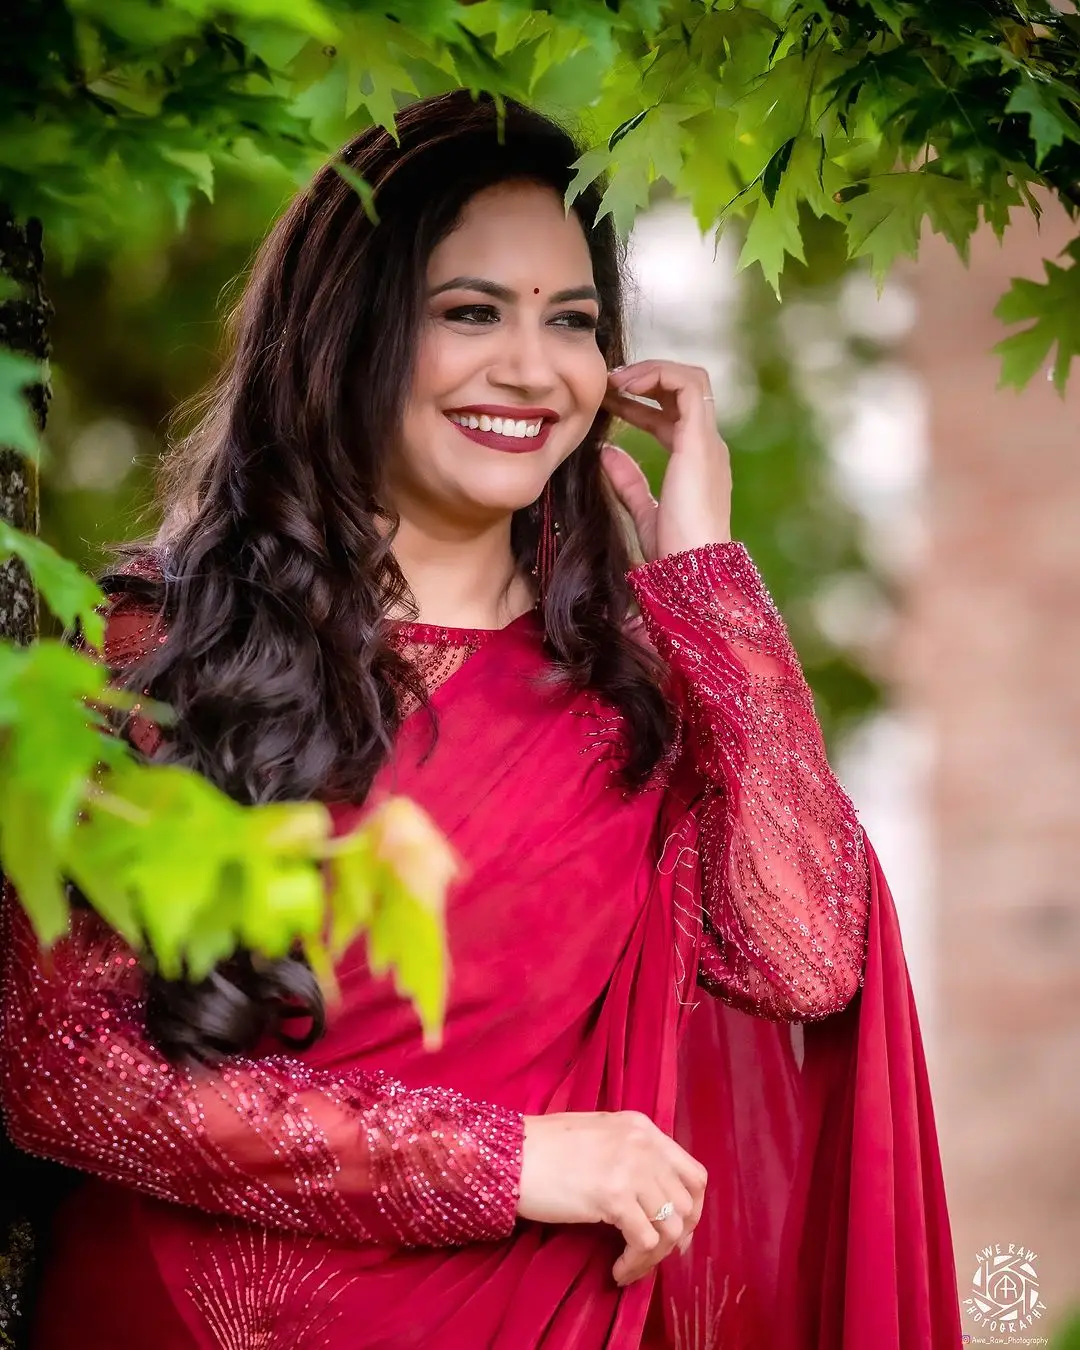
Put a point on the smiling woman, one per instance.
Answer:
(509, 358)
(391, 560)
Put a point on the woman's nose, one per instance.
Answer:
(525, 360)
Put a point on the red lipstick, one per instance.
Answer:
(497, 440)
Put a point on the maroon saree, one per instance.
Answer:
(718, 951)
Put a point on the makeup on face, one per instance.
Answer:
(516, 430)
(508, 357)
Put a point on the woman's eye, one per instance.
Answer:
(574, 318)
(472, 314)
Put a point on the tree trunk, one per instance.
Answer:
(24, 328)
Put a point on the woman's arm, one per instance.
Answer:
(356, 1157)
(784, 876)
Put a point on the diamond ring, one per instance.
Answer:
(664, 1212)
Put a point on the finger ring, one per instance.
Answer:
(665, 1211)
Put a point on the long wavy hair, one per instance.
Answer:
(275, 564)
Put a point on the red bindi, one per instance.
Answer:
(536, 290)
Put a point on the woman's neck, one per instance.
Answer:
(462, 579)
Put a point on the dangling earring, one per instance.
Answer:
(547, 542)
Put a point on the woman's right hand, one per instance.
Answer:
(612, 1167)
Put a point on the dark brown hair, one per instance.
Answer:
(275, 574)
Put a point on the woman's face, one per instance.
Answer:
(508, 375)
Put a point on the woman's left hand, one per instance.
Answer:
(695, 500)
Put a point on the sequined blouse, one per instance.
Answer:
(359, 1157)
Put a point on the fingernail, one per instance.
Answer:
(615, 370)
(684, 1245)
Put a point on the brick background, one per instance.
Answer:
(989, 654)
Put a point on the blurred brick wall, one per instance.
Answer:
(991, 643)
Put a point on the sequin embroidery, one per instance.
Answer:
(254, 1291)
(784, 877)
(353, 1156)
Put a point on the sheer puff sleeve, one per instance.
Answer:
(356, 1157)
(784, 876)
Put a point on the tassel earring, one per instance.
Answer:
(547, 542)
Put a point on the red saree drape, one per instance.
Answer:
(825, 1225)
(576, 942)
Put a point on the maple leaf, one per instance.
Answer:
(814, 177)
(953, 207)
(774, 108)
(639, 151)
(773, 233)
(884, 222)
(373, 48)
(68, 591)
(1050, 121)
(1054, 305)
(707, 175)
(17, 428)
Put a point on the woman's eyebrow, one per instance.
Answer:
(504, 293)
(577, 293)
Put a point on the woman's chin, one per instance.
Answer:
(493, 500)
(490, 509)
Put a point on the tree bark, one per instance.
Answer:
(24, 328)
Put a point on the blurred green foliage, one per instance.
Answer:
(787, 507)
(1068, 1337)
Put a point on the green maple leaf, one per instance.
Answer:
(884, 222)
(17, 429)
(1050, 121)
(1054, 305)
(68, 591)
(321, 82)
(892, 15)
(376, 73)
(287, 900)
(773, 110)
(628, 193)
(305, 15)
(953, 208)
(641, 150)
(814, 177)
(773, 233)
(49, 747)
(707, 176)
(390, 879)
(587, 170)
(198, 164)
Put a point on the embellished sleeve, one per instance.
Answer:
(355, 1156)
(784, 876)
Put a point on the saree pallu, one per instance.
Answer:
(574, 940)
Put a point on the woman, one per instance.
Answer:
(401, 496)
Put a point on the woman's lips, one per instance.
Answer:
(516, 445)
